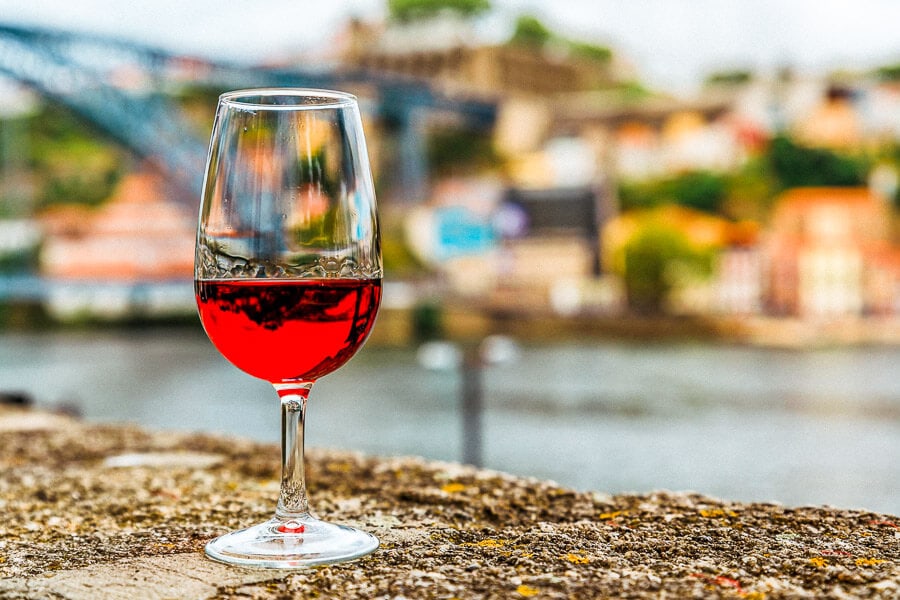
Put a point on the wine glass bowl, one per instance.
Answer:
(288, 281)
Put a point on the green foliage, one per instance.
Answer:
(747, 192)
(633, 91)
(650, 260)
(798, 166)
(315, 170)
(8, 207)
(590, 51)
(729, 78)
(88, 186)
(530, 32)
(889, 72)
(701, 190)
(891, 155)
(427, 321)
(19, 262)
(22, 316)
(640, 194)
(750, 191)
(74, 164)
(456, 151)
(411, 10)
(396, 256)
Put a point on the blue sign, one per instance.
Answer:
(460, 232)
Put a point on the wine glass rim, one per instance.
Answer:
(301, 98)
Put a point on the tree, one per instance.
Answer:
(659, 250)
(594, 52)
(456, 151)
(649, 256)
(737, 77)
(530, 32)
(889, 72)
(701, 190)
(411, 10)
(798, 166)
(75, 164)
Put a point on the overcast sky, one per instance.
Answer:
(673, 43)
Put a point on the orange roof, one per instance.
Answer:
(636, 133)
(139, 188)
(65, 219)
(817, 196)
(138, 233)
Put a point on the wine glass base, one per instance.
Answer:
(294, 544)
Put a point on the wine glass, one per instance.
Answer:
(288, 281)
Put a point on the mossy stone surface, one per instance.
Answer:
(108, 511)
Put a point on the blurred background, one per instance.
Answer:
(628, 246)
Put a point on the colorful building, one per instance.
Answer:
(139, 234)
(830, 254)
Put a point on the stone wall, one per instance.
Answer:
(107, 512)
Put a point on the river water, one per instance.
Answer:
(750, 424)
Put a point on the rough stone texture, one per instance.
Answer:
(94, 511)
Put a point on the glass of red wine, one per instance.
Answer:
(288, 282)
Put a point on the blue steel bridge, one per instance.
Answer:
(84, 72)
(80, 71)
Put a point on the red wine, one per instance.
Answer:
(288, 329)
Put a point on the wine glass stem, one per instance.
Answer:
(292, 502)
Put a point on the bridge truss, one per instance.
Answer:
(121, 87)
